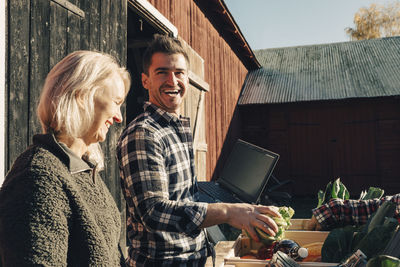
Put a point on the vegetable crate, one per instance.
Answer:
(297, 232)
(243, 245)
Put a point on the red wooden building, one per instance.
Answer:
(330, 111)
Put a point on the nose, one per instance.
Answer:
(171, 79)
(118, 116)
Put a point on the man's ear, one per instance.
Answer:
(145, 81)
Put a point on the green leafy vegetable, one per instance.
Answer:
(384, 261)
(337, 245)
(375, 241)
(373, 192)
(387, 209)
(335, 189)
(343, 192)
(283, 224)
(321, 198)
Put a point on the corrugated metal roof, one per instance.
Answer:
(368, 68)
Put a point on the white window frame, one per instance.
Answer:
(2, 88)
(153, 16)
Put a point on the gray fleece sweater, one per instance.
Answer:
(55, 211)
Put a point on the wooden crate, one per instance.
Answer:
(297, 232)
(299, 224)
(306, 237)
(243, 245)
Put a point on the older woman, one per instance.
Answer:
(55, 210)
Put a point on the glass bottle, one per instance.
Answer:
(292, 249)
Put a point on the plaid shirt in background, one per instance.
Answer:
(156, 162)
(338, 212)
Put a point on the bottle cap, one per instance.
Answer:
(302, 252)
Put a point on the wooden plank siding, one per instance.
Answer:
(5, 94)
(357, 140)
(42, 32)
(40, 18)
(18, 81)
(224, 72)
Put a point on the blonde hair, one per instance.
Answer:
(77, 76)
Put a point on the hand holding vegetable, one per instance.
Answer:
(248, 217)
(283, 223)
(242, 216)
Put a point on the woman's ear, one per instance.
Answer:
(80, 100)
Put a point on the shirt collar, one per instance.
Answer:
(66, 155)
(157, 112)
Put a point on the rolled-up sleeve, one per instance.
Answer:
(338, 212)
(146, 184)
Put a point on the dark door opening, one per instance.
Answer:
(140, 32)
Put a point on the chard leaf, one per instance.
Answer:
(337, 245)
(346, 194)
(387, 209)
(384, 261)
(321, 198)
(335, 188)
(343, 192)
(362, 195)
(328, 192)
(375, 241)
(374, 192)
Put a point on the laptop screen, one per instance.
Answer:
(247, 170)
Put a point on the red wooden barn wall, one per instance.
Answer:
(357, 140)
(224, 72)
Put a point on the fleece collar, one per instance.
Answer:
(72, 161)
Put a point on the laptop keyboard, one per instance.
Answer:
(217, 193)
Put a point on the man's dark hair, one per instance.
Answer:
(162, 44)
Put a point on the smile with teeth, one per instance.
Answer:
(172, 92)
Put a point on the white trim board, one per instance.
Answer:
(153, 16)
(2, 87)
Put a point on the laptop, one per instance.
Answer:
(244, 176)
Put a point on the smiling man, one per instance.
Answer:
(166, 80)
(156, 158)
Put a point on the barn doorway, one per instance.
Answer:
(144, 20)
(139, 34)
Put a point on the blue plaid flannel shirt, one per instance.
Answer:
(158, 180)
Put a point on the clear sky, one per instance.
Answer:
(282, 23)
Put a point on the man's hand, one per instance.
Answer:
(243, 216)
(313, 225)
(246, 216)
